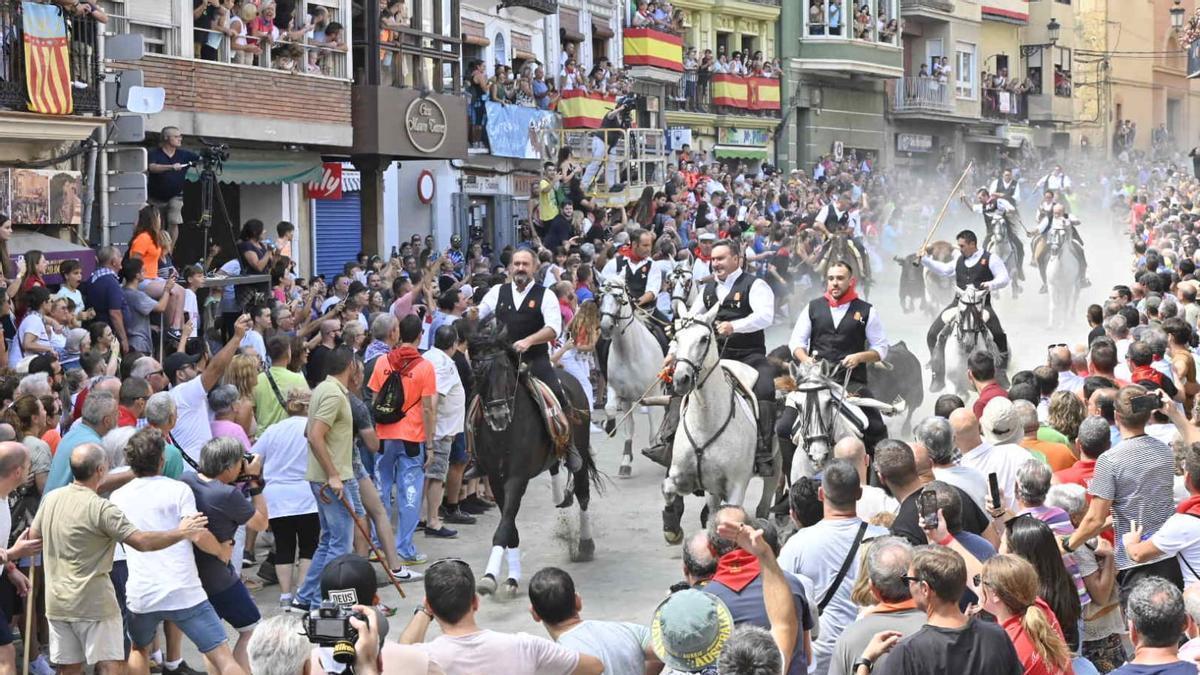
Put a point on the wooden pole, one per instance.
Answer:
(27, 635)
(945, 205)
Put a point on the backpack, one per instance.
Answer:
(388, 405)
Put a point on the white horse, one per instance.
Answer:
(714, 446)
(820, 421)
(1062, 273)
(969, 334)
(683, 286)
(634, 360)
(1000, 243)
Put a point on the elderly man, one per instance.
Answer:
(1058, 357)
(1157, 619)
(149, 369)
(80, 530)
(14, 469)
(160, 414)
(995, 451)
(887, 562)
(279, 647)
(1057, 455)
(104, 294)
(699, 562)
(937, 437)
(874, 500)
(1093, 439)
(99, 417)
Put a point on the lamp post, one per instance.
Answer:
(1053, 27)
(1177, 13)
(1052, 30)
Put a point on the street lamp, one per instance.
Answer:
(1177, 13)
(1053, 27)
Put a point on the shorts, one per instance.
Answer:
(93, 642)
(439, 459)
(458, 450)
(199, 623)
(236, 607)
(172, 209)
(292, 533)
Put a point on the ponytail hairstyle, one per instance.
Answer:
(22, 414)
(1015, 584)
(1033, 540)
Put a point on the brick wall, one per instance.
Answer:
(207, 87)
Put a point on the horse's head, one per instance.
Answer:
(495, 366)
(680, 279)
(970, 308)
(1056, 237)
(695, 350)
(615, 305)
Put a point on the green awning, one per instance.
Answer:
(267, 167)
(740, 152)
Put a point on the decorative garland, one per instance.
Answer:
(1191, 31)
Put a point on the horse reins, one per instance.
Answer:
(510, 401)
(697, 447)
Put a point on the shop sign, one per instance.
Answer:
(914, 142)
(839, 151)
(425, 124)
(480, 184)
(752, 137)
(330, 185)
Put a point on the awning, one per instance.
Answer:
(247, 166)
(740, 152)
(992, 140)
(520, 55)
(476, 40)
(601, 30)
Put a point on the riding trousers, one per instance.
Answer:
(540, 367)
(934, 337)
(876, 428)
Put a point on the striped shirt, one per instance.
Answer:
(1137, 475)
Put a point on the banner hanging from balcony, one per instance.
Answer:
(764, 93)
(582, 110)
(522, 133)
(47, 61)
(730, 90)
(647, 47)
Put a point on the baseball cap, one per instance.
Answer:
(999, 422)
(689, 629)
(349, 580)
(177, 361)
(707, 236)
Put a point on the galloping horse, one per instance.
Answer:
(970, 334)
(841, 247)
(512, 446)
(1062, 272)
(824, 417)
(1001, 242)
(634, 360)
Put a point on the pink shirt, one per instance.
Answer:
(231, 429)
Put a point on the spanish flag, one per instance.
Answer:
(581, 110)
(648, 47)
(730, 90)
(765, 93)
(47, 63)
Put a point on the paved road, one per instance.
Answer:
(633, 566)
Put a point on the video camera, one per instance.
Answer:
(213, 155)
(329, 626)
(627, 104)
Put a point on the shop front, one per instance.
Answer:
(750, 147)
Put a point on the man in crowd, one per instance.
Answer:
(275, 382)
(1058, 456)
(451, 410)
(887, 563)
(981, 372)
(995, 449)
(1092, 440)
(1157, 618)
(191, 378)
(935, 434)
(98, 418)
(105, 296)
(167, 166)
(874, 500)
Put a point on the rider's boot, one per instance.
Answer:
(764, 450)
(660, 452)
(1002, 348)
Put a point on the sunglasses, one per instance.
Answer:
(910, 580)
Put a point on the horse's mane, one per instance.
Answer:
(491, 336)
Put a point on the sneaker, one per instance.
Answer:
(473, 508)
(299, 606)
(405, 575)
(418, 559)
(457, 517)
(182, 669)
(442, 532)
(285, 603)
(41, 666)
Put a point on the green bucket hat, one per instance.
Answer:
(689, 629)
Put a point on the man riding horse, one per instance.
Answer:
(530, 314)
(745, 309)
(972, 266)
(999, 212)
(841, 328)
(1041, 243)
(635, 264)
(837, 218)
(1007, 186)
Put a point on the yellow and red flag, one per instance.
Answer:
(47, 61)
(765, 93)
(730, 90)
(648, 47)
(580, 109)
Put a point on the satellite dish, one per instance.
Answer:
(146, 100)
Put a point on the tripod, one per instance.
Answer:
(208, 190)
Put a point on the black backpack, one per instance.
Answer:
(388, 405)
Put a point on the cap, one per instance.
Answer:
(175, 361)
(707, 236)
(999, 422)
(349, 580)
(689, 629)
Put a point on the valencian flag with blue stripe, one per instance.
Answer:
(47, 62)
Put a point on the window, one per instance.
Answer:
(1033, 71)
(499, 50)
(1062, 72)
(965, 77)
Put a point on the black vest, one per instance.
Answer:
(981, 272)
(833, 343)
(635, 280)
(1008, 191)
(523, 321)
(736, 305)
(833, 223)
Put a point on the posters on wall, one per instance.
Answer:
(41, 197)
(521, 132)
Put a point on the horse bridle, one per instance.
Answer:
(701, 376)
(678, 273)
(510, 401)
(622, 299)
(699, 448)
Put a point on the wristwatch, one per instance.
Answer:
(421, 609)
(862, 661)
(1065, 541)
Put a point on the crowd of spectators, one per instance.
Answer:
(833, 18)
(270, 34)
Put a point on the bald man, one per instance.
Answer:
(14, 467)
(874, 500)
(1003, 459)
(1060, 359)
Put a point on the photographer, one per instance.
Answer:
(256, 257)
(167, 167)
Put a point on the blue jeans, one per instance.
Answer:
(410, 479)
(386, 471)
(337, 537)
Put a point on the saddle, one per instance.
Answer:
(743, 378)
(553, 414)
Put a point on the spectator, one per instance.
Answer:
(1058, 456)
(152, 246)
(451, 410)
(191, 378)
(1179, 536)
(134, 394)
(874, 500)
(981, 371)
(1092, 440)
(934, 433)
(167, 167)
(33, 335)
(996, 450)
(887, 561)
(1009, 591)
(1157, 619)
(98, 418)
(275, 384)
(161, 415)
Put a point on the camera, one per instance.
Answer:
(329, 626)
(214, 155)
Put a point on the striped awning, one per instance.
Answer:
(740, 152)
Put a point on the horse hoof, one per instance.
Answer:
(567, 501)
(510, 589)
(586, 552)
(486, 585)
(673, 537)
(625, 471)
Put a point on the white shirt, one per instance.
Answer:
(284, 450)
(1004, 460)
(452, 399)
(1069, 381)
(1181, 534)
(254, 340)
(193, 428)
(998, 186)
(33, 323)
(160, 580)
(701, 270)
(653, 281)
(1056, 182)
(966, 479)
(873, 502)
(876, 339)
(762, 304)
(947, 269)
(550, 312)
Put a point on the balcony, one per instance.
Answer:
(547, 7)
(1004, 106)
(918, 95)
(653, 50)
(837, 44)
(84, 62)
(725, 94)
(910, 7)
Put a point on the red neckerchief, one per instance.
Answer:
(1145, 373)
(628, 252)
(701, 257)
(1190, 506)
(737, 569)
(401, 357)
(850, 295)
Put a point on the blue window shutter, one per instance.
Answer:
(338, 233)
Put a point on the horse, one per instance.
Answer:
(634, 360)
(970, 334)
(714, 447)
(839, 246)
(512, 446)
(820, 422)
(1000, 243)
(683, 286)
(1062, 273)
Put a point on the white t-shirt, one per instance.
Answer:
(452, 399)
(191, 306)
(32, 323)
(194, 427)
(620, 645)
(1181, 534)
(488, 651)
(1004, 460)
(74, 295)
(966, 479)
(254, 340)
(875, 501)
(284, 450)
(5, 522)
(160, 580)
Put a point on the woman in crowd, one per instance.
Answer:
(1066, 413)
(1032, 539)
(33, 335)
(32, 276)
(243, 375)
(1009, 591)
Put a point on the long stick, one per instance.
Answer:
(378, 554)
(27, 636)
(942, 214)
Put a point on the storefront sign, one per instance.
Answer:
(914, 142)
(475, 183)
(735, 136)
(330, 185)
(425, 123)
(426, 186)
(839, 150)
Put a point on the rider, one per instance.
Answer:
(1007, 186)
(531, 316)
(746, 308)
(838, 217)
(702, 266)
(995, 208)
(823, 332)
(1059, 213)
(972, 266)
(633, 263)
